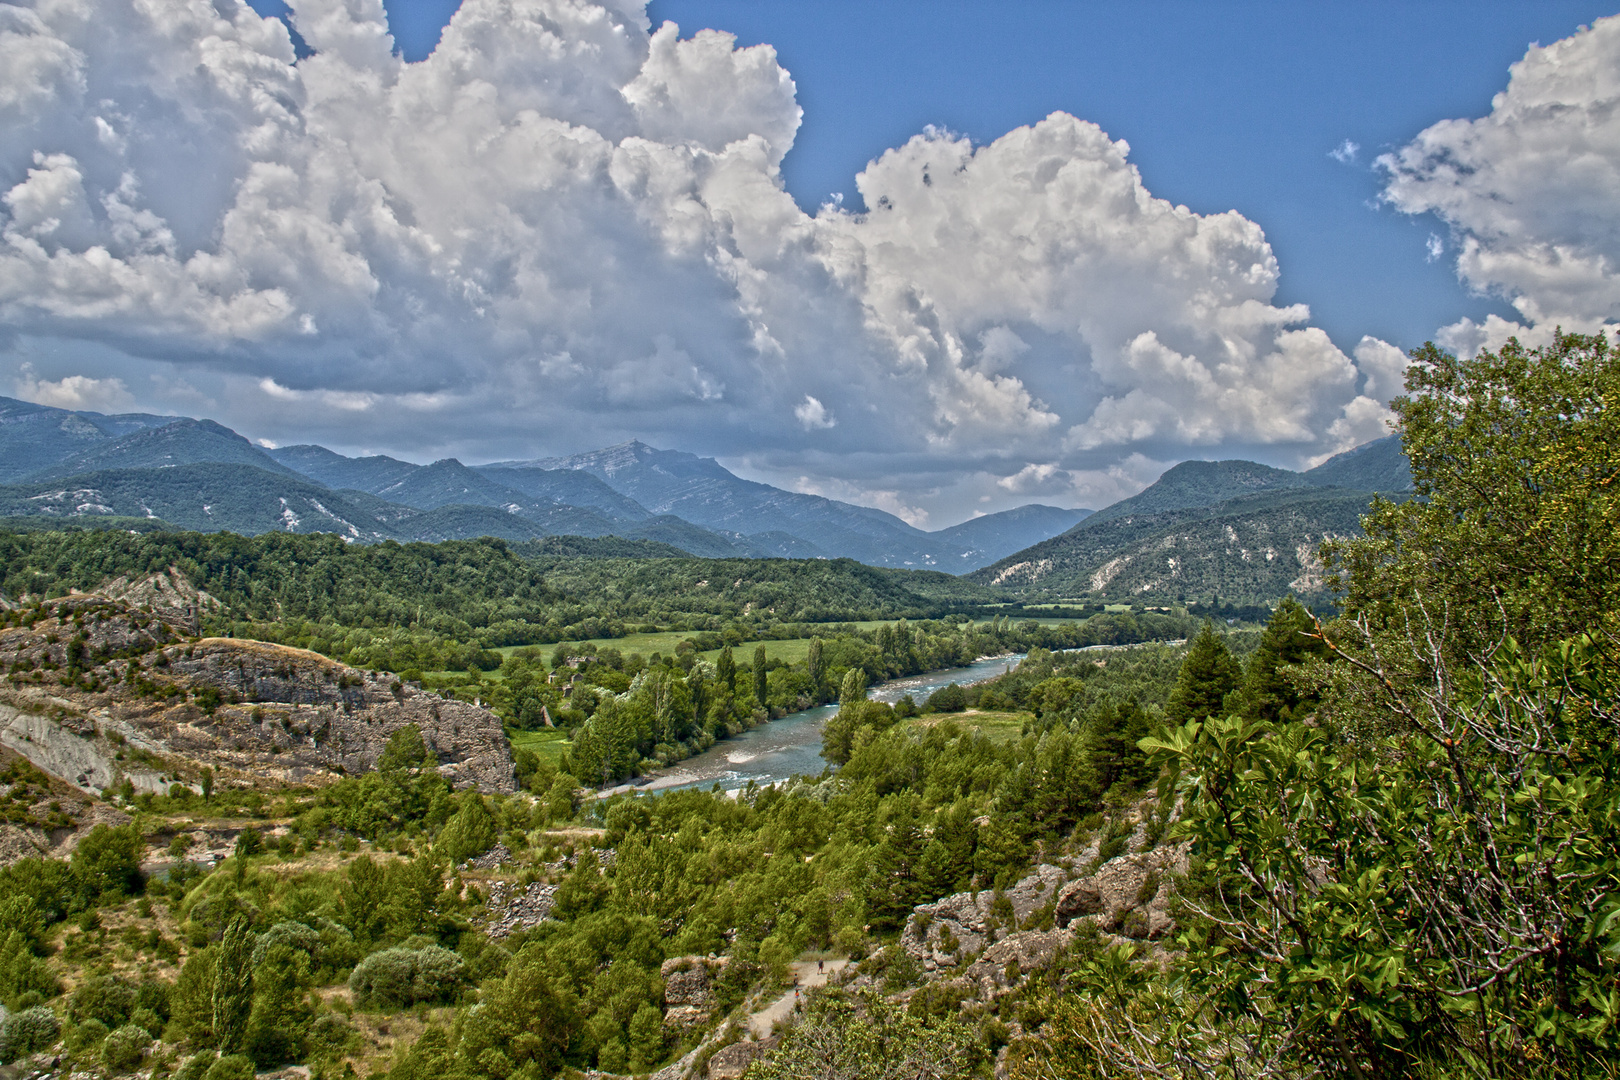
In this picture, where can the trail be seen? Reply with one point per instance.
(780, 1009)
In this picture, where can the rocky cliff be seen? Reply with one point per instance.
(99, 691)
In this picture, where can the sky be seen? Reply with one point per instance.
(940, 258)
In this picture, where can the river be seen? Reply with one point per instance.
(791, 746)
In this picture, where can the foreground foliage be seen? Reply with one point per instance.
(1420, 875)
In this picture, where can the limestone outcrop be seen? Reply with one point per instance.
(965, 924)
(1129, 895)
(98, 692)
(689, 1000)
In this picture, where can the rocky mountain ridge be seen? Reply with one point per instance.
(1234, 530)
(62, 465)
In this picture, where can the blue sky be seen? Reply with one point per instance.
(1102, 238)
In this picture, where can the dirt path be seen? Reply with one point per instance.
(811, 974)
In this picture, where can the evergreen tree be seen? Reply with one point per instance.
(1290, 639)
(233, 986)
(725, 671)
(471, 832)
(1208, 674)
(761, 685)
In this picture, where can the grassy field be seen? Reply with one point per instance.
(998, 726)
(544, 743)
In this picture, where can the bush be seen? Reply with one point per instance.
(108, 861)
(84, 1036)
(331, 1035)
(106, 998)
(230, 1067)
(196, 1066)
(122, 1050)
(950, 698)
(294, 935)
(28, 1032)
(396, 978)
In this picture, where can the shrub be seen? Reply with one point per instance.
(108, 861)
(950, 698)
(122, 1050)
(196, 1066)
(396, 978)
(294, 935)
(84, 1036)
(331, 1035)
(28, 1032)
(106, 998)
(230, 1067)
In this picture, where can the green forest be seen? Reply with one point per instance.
(1397, 827)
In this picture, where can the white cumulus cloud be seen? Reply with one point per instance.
(1530, 190)
(567, 227)
(813, 415)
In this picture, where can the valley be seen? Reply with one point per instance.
(293, 804)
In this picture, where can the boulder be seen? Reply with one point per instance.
(1138, 883)
(730, 1062)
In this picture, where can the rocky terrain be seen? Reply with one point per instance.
(107, 693)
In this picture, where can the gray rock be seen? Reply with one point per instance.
(511, 909)
(1109, 896)
(493, 859)
(688, 991)
(967, 918)
(730, 1062)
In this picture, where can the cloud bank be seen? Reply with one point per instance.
(566, 227)
(1531, 191)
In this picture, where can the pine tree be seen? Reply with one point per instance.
(233, 985)
(1208, 674)
(1268, 693)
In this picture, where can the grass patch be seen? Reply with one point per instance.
(996, 726)
(547, 742)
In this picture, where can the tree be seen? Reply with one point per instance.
(815, 665)
(761, 683)
(233, 986)
(1271, 683)
(1516, 525)
(405, 754)
(854, 687)
(725, 671)
(107, 862)
(528, 1018)
(471, 832)
(1208, 674)
(1421, 878)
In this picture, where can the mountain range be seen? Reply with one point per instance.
(1234, 530)
(196, 474)
(1237, 530)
